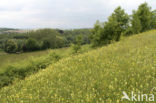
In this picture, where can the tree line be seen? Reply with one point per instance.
(42, 39)
(120, 23)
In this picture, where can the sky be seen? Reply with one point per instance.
(63, 14)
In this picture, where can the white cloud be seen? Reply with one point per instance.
(61, 13)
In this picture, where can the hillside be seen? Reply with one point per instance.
(100, 75)
(11, 30)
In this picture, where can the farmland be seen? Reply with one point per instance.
(99, 75)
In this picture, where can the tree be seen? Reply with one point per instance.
(50, 35)
(136, 24)
(20, 44)
(119, 21)
(46, 44)
(111, 30)
(144, 14)
(31, 45)
(76, 47)
(10, 46)
(96, 32)
(153, 19)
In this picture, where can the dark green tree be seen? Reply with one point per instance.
(31, 45)
(136, 24)
(45, 44)
(153, 19)
(111, 30)
(144, 14)
(119, 21)
(10, 46)
(96, 32)
(50, 35)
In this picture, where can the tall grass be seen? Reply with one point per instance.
(6, 58)
(25, 68)
(32, 63)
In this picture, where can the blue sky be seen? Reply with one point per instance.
(64, 14)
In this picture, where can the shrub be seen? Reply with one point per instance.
(45, 44)
(76, 47)
(26, 68)
(32, 45)
(10, 46)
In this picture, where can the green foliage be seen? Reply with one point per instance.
(77, 47)
(10, 46)
(31, 45)
(46, 38)
(128, 31)
(71, 35)
(120, 23)
(136, 23)
(26, 64)
(144, 14)
(112, 29)
(20, 44)
(46, 35)
(96, 32)
(28, 67)
(46, 44)
(153, 19)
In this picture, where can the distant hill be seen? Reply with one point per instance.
(12, 30)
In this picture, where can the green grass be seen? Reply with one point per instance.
(96, 76)
(6, 58)
(31, 64)
(9, 59)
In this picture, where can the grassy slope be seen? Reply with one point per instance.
(6, 58)
(10, 59)
(99, 75)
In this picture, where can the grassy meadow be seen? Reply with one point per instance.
(16, 67)
(97, 76)
(6, 59)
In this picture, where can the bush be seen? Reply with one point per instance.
(10, 46)
(32, 45)
(45, 44)
(76, 47)
(20, 44)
